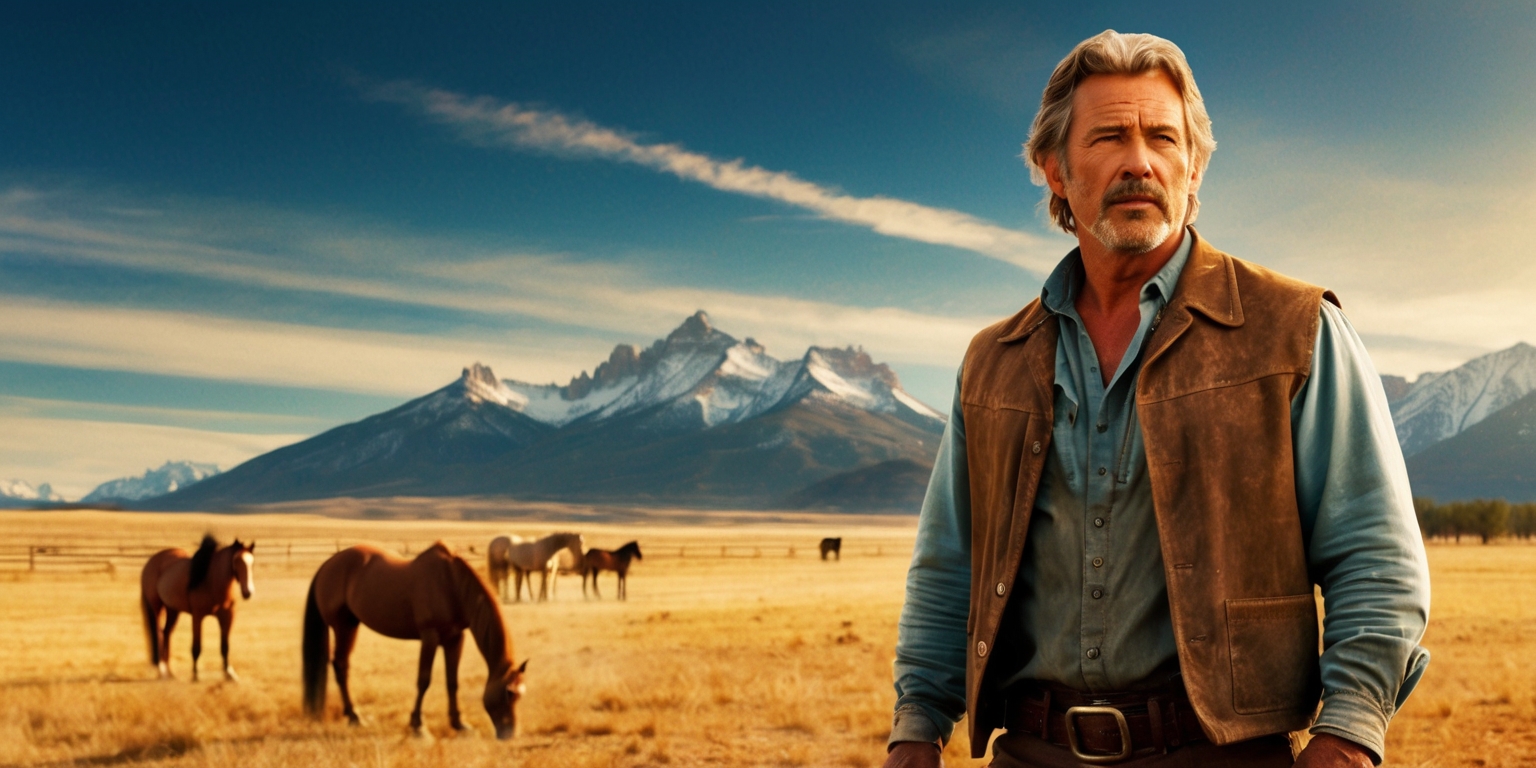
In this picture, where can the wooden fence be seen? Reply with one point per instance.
(127, 558)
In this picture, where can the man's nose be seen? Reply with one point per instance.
(1138, 162)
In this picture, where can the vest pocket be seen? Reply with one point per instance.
(1273, 643)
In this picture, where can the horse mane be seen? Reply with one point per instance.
(201, 560)
(483, 615)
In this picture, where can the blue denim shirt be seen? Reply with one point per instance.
(1092, 572)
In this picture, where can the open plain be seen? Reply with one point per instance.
(738, 646)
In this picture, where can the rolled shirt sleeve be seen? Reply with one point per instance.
(1363, 543)
(930, 646)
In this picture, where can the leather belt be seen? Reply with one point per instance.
(1104, 728)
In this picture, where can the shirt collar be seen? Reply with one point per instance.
(1060, 289)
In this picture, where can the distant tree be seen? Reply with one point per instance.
(1431, 518)
(1490, 518)
(1522, 520)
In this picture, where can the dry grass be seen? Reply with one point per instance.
(770, 660)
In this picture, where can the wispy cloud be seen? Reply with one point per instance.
(1432, 269)
(492, 122)
(204, 346)
(601, 303)
(46, 450)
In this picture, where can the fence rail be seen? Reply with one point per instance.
(129, 557)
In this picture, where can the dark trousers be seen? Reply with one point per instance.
(1026, 750)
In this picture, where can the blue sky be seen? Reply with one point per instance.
(224, 228)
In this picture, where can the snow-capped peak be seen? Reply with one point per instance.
(171, 476)
(481, 385)
(23, 490)
(699, 376)
(1441, 405)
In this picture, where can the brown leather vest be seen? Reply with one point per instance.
(1214, 397)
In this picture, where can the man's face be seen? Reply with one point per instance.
(1128, 175)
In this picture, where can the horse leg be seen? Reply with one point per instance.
(453, 649)
(226, 619)
(197, 642)
(517, 584)
(543, 585)
(623, 587)
(429, 643)
(171, 615)
(341, 657)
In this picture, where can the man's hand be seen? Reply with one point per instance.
(919, 754)
(1329, 751)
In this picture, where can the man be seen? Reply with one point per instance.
(1146, 471)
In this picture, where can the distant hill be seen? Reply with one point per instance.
(1438, 406)
(696, 419)
(171, 476)
(1495, 458)
(895, 486)
(20, 494)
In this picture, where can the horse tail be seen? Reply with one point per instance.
(150, 630)
(317, 651)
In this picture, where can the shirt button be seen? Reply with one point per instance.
(1093, 653)
(1103, 471)
(1035, 448)
(1098, 562)
(1098, 522)
(1098, 593)
(981, 648)
(1001, 589)
(1103, 427)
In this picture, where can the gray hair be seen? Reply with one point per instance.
(1111, 53)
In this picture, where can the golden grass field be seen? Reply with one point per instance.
(753, 658)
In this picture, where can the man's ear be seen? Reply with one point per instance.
(1055, 178)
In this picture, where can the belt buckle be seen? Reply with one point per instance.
(1077, 750)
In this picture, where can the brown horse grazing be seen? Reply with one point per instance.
(603, 560)
(174, 583)
(433, 598)
(832, 546)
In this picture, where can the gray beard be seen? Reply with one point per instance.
(1131, 239)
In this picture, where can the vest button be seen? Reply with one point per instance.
(1098, 593)
(1093, 653)
(1103, 471)
(1098, 522)
(981, 648)
(1103, 427)
(1035, 448)
(1098, 562)
(1001, 589)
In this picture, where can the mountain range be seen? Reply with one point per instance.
(1468, 432)
(170, 477)
(20, 494)
(696, 419)
(703, 419)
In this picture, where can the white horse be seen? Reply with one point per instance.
(566, 563)
(523, 557)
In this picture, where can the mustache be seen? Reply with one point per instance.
(1133, 188)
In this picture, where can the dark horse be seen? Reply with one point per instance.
(833, 546)
(433, 598)
(174, 583)
(603, 560)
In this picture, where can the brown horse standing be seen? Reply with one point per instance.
(832, 546)
(432, 598)
(603, 560)
(174, 583)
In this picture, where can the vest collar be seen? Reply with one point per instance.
(1208, 285)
